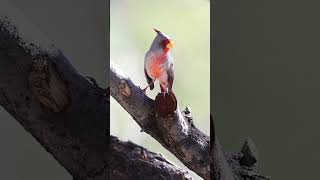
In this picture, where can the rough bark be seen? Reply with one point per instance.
(176, 132)
(67, 114)
(60, 108)
(126, 154)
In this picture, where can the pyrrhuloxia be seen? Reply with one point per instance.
(158, 63)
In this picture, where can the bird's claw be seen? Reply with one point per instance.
(164, 94)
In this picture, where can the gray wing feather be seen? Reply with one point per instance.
(170, 77)
(149, 80)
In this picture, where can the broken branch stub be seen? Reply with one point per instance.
(165, 105)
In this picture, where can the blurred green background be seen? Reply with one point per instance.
(266, 82)
(131, 33)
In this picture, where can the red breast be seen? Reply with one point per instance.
(155, 66)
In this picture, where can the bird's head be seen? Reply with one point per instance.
(161, 41)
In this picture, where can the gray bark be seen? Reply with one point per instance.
(127, 153)
(175, 132)
(60, 108)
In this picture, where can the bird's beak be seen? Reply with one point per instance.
(169, 45)
(156, 30)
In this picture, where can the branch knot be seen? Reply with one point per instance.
(47, 86)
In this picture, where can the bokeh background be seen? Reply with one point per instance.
(131, 33)
(266, 82)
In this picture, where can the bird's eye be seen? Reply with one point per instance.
(164, 43)
(167, 44)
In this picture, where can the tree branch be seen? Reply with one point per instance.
(59, 107)
(143, 163)
(175, 132)
(68, 114)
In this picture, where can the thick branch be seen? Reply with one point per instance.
(176, 132)
(143, 163)
(60, 108)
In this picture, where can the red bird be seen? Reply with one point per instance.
(158, 63)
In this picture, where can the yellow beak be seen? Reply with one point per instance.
(169, 45)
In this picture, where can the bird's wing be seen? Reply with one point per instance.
(149, 80)
(170, 77)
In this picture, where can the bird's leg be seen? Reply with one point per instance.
(145, 89)
(163, 91)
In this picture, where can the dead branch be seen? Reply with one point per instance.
(175, 132)
(127, 153)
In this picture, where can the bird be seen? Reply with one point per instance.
(158, 63)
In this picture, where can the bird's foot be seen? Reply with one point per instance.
(164, 94)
